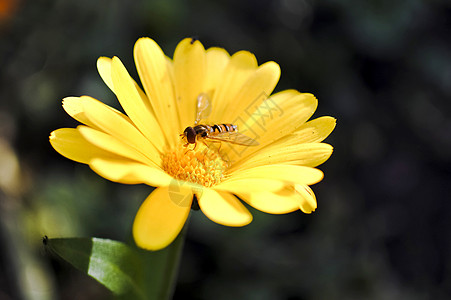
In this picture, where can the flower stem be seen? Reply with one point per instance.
(173, 264)
(161, 269)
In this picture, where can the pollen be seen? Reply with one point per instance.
(202, 165)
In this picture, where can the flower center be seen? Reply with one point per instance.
(202, 165)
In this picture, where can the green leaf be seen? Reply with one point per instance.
(129, 273)
(114, 264)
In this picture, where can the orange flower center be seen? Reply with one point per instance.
(202, 165)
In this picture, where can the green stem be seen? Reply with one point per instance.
(173, 264)
(161, 269)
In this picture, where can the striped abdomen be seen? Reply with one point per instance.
(218, 128)
(205, 131)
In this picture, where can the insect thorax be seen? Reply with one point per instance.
(202, 130)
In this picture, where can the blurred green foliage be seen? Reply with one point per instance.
(382, 68)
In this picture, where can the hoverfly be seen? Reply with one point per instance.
(215, 133)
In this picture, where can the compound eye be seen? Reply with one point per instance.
(190, 134)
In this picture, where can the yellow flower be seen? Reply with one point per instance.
(144, 145)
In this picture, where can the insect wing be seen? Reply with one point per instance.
(234, 137)
(203, 108)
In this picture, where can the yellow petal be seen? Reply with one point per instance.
(315, 130)
(73, 106)
(71, 144)
(280, 114)
(286, 173)
(241, 65)
(273, 119)
(170, 67)
(157, 82)
(159, 220)
(282, 202)
(118, 125)
(137, 108)
(129, 172)
(308, 202)
(216, 62)
(189, 75)
(249, 185)
(254, 91)
(310, 155)
(113, 145)
(223, 208)
(177, 190)
(104, 69)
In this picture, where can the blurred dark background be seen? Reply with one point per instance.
(382, 229)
